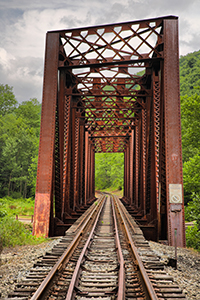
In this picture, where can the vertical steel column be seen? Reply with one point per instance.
(131, 168)
(156, 142)
(143, 162)
(82, 163)
(128, 171)
(73, 161)
(174, 181)
(44, 185)
(136, 167)
(86, 166)
(76, 164)
(140, 158)
(125, 173)
(59, 147)
(93, 173)
(162, 207)
(67, 155)
(90, 171)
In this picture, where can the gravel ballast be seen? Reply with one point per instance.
(187, 274)
(16, 262)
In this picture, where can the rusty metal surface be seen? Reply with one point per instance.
(103, 106)
(175, 207)
(44, 185)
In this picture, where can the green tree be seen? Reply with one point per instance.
(190, 116)
(189, 73)
(7, 99)
(191, 175)
(109, 168)
(19, 134)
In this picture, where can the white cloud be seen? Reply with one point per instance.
(22, 40)
(5, 59)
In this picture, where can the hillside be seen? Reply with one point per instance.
(190, 74)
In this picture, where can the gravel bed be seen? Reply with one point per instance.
(15, 263)
(187, 274)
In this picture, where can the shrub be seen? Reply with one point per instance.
(193, 237)
(14, 233)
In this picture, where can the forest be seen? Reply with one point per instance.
(19, 141)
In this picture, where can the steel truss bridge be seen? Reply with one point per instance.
(93, 102)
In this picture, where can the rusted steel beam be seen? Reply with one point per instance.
(144, 161)
(136, 150)
(101, 106)
(174, 178)
(143, 24)
(131, 141)
(66, 160)
(44, 185)
(82, 164)
(76, 164)
(86, 166)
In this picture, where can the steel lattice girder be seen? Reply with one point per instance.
(94, 102)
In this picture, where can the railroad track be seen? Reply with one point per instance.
(103, 256)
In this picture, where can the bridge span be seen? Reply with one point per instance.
(112, 88)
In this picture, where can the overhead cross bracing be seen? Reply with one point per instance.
(112, 88)
(103, 62)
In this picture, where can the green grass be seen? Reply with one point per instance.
(13, 207)
(12, 231)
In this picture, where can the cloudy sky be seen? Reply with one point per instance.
(24, 23)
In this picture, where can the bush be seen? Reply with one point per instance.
(14, 207)
(193, 237)
(192, 209)
(14, 233)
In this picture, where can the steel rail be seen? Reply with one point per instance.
(121, 280)
(61, 260)
(145, 277)
(78, 264)
(83, 220)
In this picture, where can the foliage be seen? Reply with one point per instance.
(190, 116)
(19, 140)
(109, 170)
(192, 210)
(7, 99)
(14, 233)
(189, 74)
(193, 237)
(191, 175)
(13, 207)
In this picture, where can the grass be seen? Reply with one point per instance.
(12, 231)
(13, 207)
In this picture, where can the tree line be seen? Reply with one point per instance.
(19, 141)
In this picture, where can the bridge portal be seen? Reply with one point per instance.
(112, 88)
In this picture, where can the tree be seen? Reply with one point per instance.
(19, 135)
(191, 175)
(7, 99)
(189, 74)
(109, 168)
(190, 116)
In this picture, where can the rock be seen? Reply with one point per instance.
(187, 274)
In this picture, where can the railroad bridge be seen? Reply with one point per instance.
(112, 88)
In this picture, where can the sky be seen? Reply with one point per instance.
(24, 23)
